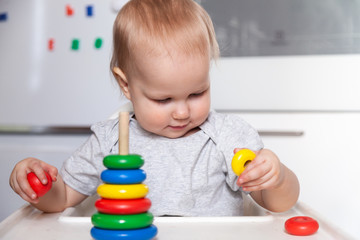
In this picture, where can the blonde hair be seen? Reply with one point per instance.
(156, 25)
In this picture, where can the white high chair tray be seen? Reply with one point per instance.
(74, 223)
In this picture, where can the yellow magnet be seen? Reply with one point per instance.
(241, 159)
(122, 191)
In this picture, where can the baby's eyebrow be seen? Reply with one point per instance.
(156, 96)
(203, 89)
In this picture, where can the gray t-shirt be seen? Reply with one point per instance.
(188, 176)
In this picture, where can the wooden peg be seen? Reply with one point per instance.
(123, 133)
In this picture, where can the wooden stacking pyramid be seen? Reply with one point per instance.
(123, 206)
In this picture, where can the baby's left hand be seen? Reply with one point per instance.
(264, 172)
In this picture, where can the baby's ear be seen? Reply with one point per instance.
(122, 81)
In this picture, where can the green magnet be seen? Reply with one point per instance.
(98, 43)
(75, 45)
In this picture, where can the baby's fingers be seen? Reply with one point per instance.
(261, 183)
(22, 187)
(40, 168)
(254, 170)
(253, 178)
(29, 196)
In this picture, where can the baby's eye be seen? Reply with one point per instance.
(165, 100)
(196, 94)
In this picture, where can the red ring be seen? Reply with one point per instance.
(122, 206)
(301, 226)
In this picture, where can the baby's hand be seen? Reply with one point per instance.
(18, 178)
(264, 172)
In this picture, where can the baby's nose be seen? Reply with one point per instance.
(181, 111)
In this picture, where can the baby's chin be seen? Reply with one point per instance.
(174, 135)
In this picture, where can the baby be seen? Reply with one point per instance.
(162, 55)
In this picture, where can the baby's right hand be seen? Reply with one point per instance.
(18, 178)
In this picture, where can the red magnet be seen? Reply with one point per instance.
(117, 206)
(51, 43)
(37, 186)
(69, 10)
(301, 226)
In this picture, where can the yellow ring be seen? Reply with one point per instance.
(122, 191)
(240, 159)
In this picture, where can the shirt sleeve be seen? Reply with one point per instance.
(82, 170)
(236, 133)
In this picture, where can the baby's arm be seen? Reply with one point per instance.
(59, 197)
(272, 185)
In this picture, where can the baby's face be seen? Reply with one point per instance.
(170, 95)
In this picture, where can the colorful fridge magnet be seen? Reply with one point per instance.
(98, 43)
(51, 44)
(75, 44)
(69, 11)
(89, 10)
(3, 17)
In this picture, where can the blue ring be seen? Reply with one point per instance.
(130, 176)
(136, 234)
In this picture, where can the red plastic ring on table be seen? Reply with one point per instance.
(301, 226)
(118, 206)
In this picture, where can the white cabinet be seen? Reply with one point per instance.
(326, 159)
(13, 148)
(293, 83)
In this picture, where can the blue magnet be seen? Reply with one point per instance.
(89, 10)
(3, 17)
(130, 176)
(135, 234)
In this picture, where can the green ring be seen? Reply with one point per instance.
(132, 161)
(122, 222)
